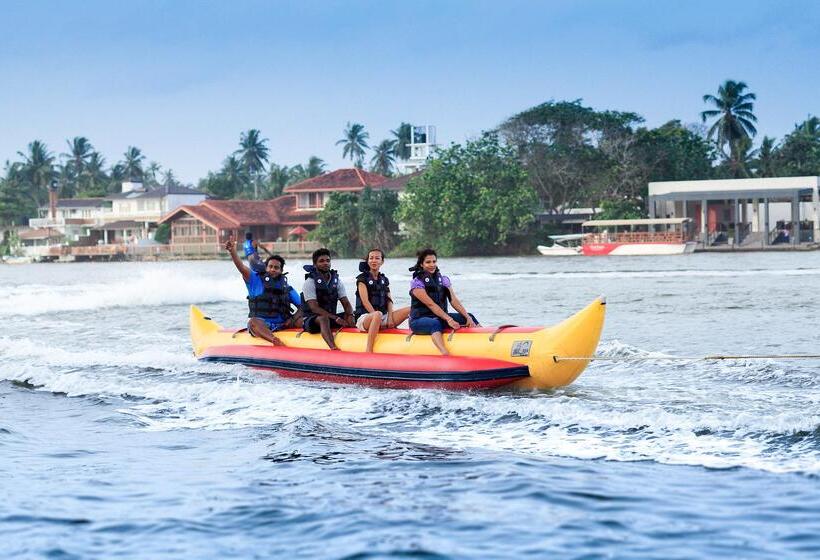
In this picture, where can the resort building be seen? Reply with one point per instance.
(282, 222)
(771, 212)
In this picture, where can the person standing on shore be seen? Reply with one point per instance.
(269, 297)
(374, 306)
(321, 295)
(429, 292)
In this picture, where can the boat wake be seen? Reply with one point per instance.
(717, 415)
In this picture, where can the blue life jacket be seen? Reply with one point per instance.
(327, 291)
(433, 285)
(273, 301)
(378, 291)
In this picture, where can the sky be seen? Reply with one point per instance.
(182, 79)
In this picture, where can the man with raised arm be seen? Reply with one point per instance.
(269, 297)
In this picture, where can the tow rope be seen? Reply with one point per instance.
(557, 359)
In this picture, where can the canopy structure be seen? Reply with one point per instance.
(642, 222)
(746, 212)
(298, 231)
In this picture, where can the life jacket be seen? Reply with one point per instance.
(377, 292)
(327, 292)
(433, 285)
(274, 299)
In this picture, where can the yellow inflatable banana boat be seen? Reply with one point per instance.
(481, 358)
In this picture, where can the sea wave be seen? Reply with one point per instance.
(148, 288)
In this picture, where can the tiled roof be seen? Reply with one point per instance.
(158, 192)
(399, 183)
(339, 180)
(245, 212)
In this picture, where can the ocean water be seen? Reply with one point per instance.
(115, 442)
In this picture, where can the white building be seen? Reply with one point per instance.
(743, 212)
(422, 145)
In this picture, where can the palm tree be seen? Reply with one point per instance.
(253, 152)
(79, 150)
(766, 162)
(132, 166)
(742, 158)
(235, 174)
(733, 110)
(38, 170)
(151, 172)
(315, 166)
(354, 143)
(383, 158)
(94, 175)
(168, 179)
(403, 136)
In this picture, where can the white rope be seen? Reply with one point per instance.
(685, 358)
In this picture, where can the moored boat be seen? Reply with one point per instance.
(480, 358)
(563, 246)
(655, 236)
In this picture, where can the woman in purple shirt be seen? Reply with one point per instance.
(430, 291)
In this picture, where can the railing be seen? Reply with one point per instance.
(285, 247)
(46, 222)
(635, 237)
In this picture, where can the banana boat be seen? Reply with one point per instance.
(480, 358)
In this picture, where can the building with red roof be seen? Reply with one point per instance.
(292, 215)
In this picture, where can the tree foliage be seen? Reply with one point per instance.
(470, 200)
(350, 224)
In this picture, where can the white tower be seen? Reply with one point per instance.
(422, 145)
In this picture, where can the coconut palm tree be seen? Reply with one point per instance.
(151, 172)
(315, 166)
(354, 143)
(132, 165)
(253, 152)
(169, 179)
(38, 170)
(733, 112)
(235, 175)
(403, 136)
(79, 150)
(94, 177)
(383, 158)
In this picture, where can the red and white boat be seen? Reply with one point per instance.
(654, 236)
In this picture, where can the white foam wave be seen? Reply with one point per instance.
(148, 288)
(564, 274)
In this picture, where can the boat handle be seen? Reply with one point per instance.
(498, 330)
(450, 338)
(409, 336)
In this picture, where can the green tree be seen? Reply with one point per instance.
(37, 171)
(339, 224)
(163, 233)
(471, 199)
(79, 152)
(765, 164)
(354, 143)
(17, 204)
(383, 158)
(377, 220)
(673, 152)
(734, 117)
(563, 148)
(132, 164)
(94, 180)
(151, 174)
(799, 154)
(315, 166)
(403, 136)
(253, 152)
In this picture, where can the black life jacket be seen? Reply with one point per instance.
(327, 292)
(377, 293)
(435, 289)
(274, 299)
